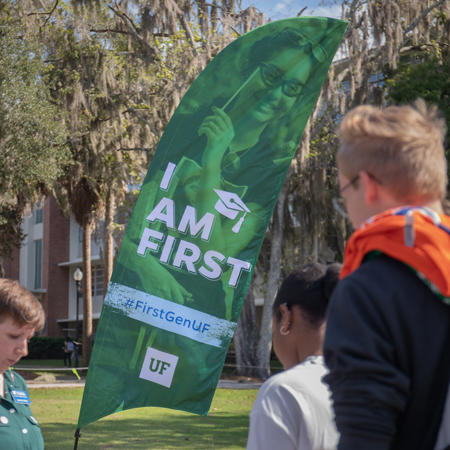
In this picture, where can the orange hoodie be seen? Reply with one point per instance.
(417, 236)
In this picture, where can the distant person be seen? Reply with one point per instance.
(68, 349)
(387, 343)
(21, 315)
(293, 409)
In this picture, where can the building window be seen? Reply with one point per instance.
(39, 214)
(38, 264)
(97, 281)
(95, 250)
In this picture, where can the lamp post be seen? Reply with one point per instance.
(77, 276)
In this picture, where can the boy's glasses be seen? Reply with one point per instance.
(339, 203)
(271, 77)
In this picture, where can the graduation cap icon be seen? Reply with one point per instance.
(230, 205)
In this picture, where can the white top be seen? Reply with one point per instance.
(293, 411)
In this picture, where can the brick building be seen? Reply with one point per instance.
(45, 265)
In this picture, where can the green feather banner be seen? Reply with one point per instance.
(192, 242)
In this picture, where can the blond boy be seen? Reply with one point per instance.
(388, 335)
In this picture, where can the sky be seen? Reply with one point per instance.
(281, 9)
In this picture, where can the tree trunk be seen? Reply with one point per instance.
(246, 335)
(108, 238)
(87, 291)
(265, 335)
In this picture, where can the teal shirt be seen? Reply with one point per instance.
(19, 430)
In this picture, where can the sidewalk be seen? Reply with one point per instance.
(223, 384)
(71, 381)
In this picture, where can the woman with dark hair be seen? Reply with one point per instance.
(293, 408)
(68, 349)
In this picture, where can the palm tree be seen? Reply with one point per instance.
(78, 193)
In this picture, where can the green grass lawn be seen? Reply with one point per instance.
(225, 427)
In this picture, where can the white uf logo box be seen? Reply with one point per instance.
(159, 367)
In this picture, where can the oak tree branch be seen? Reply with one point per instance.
(132, 29)
(190, 37)
(424, 14)
(51, 12)
(136, 55)
(135, 113)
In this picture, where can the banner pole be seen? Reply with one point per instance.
(77, 435)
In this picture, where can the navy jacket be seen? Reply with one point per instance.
(387, 346)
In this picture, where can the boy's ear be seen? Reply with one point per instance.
(370, 187)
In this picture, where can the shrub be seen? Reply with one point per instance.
(45, 348)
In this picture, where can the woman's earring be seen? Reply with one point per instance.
(285, 332)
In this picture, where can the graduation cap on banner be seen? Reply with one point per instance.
(230, 205)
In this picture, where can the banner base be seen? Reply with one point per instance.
(77, 435)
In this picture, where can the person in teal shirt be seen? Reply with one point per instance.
(21, 315)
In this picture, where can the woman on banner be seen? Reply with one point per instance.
(21, 315)
(293, 409)
(249, 141)
(241, 149)
(252, 138)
